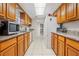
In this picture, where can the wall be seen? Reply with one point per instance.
(49, 26)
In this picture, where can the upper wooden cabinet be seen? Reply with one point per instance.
(8, 11)
(67, 12)
(28, 20)
(63, 13)
(22, 17)
(71, 11)
(11, 11)
(2, 10)
(25, 19)
(58, 16)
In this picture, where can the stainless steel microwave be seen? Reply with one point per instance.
(8, 28)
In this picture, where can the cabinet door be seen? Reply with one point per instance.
(26, 20)
(71, 11)
(55, 43)
(2, 10)
(60, 48)
(58, 16)
(61, 45)
(10, 51)
(78, 10)
(20, 48)
(63, 13)
(28, 40)
(26, 46)
(70, 51)
(11, 11)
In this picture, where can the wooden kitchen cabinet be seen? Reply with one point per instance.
(11, 11)
(72, 47)
(20, 45)
(70, 51)
(61, 46)
(58, 16)
(29, 21)
(77, 11)
(71, 11)
(26, 42)
(28, 39)
(24, 18)
(8, 48)
(63, 13)
(10, 51)
(64, 46)
(2, 10)
(54, 43)
(67, 12)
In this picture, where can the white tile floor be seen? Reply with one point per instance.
(38, 48)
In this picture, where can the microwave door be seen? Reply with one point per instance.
(12, 28)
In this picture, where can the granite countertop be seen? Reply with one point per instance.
(76, 38)
(3, 38)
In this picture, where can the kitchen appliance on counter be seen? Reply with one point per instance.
(7, 28)
(62, 29)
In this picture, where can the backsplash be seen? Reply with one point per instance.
(72, 28)
(72, 25)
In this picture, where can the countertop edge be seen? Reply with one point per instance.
(76, 38)
(5, 38)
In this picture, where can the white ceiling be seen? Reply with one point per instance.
(30, 9)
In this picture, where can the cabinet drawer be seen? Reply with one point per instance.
(61, 38)
(72, 43)
(5, 44)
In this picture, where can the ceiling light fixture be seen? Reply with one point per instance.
(39, 7)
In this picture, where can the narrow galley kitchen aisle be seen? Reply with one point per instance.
(41, 35)
(38, 46)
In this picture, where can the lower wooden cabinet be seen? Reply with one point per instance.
(72, 47)
(15, 46)
(54, 42)
(61, 46)
(28, 39)
(26, 43)
(10, 51)
(64, 46)
(20, 46)
(70, 51)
